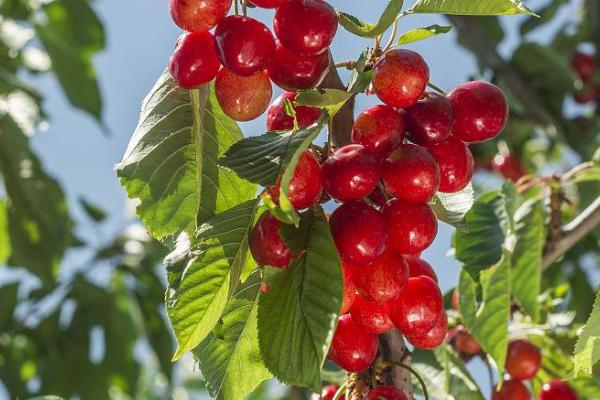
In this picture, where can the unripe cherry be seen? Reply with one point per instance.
(456, 164)
(352, 348)
(370, 316)
(386, 393)
(194, 61)
(509, 166)
(198, 15)
(278, 120)
(267, 3)
(512, 390)
(359, 231)
(434, 338)
(384, 279)
(411, 173)
(419, 267)
(430, 120)
(350, 173)
(293, 72)
(380, 129)
(266, 244)
(349, 287)
(557, 390)
(584, 65)
(400, 77)
(412, 226)
(523, 360)
(243, 98)
(244, 45)
(480, 111)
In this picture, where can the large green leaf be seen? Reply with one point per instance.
(231, 362)
(587, 350)
(471, 7)
(364, 29)
(453, 207)
(171, 161)
(297, 317)
(197, 299)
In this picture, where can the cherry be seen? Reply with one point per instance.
(359, 231)
(370, 316)
(352, 348)
(400, 77)
(411, 173)
(430, 120)
(584, 64)
(586, 94)
(383, 279)
(434, 338)
(243, 98)
(466, 343)
(349, 287)
(266, 245)
(305, 186)
(350, 173)
(278, 120)
(329, 392)
(419, 267)
(523, 360)
(456, 164)
(198, 15)
(244, 45)
(509, 166)
(305, 27)
(386, 393)
(557, 390)
(293, 72)
(512, 390)
(418, 308)
(456, 300)
(413, 226)
(380, 129)
(194, 61)
(267, 3)
(480, 111)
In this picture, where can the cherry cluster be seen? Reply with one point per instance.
(584, 65)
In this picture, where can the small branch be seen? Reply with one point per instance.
(393, 349)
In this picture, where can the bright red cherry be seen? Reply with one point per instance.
(370, 316)
(266, 245)
(434, 338)
(523, 360)
(557, 390)
(267, 3)
(278, 120)
(293, 72)
(329, 392)
(244, 45)
(352, 348)
(466, 343)
(359, 231)
(400, 77)
(418, 308)
(243, 98)
(198, 15)
(413, 226)
(380, 129)
(194, 61)
(430, 120)
(383, 279)
(480, 111)
(349, 287)
(411, 173)
(305, 27)
(419, 267)
(584, 64)
(305, 186)
(512, 390)
(350, 173)
(509, 166)
(456, 164)
(386, 393)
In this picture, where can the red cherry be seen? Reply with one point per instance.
(194, 61)
(370, 316)
(352, 348)
(466, 343)
(293, 72)
(510, 167)
(350, 173)
(512, 390)
(305, 27)
(557, 390)
(266, 245)
(434, 338)
(523, 360)
(349, 288)
(430, 120)
(305, 186)
(383, 279)
(359, 231)
(243, 98)
(329, 392)
(586, 94)
(198, 15)
(456, 164)
(411, 173)
(419, 267)
(480, 111)
(267, 3)
(386, 393)
(400, 78)
(379, 129)
(413, 226)
(278, 120)
(244, 45)
(584, 65)
(418, 308)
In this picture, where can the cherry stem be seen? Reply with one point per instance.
(413, 372)
(346, 64)
(236, 7)
(341, 391)
(437, 88)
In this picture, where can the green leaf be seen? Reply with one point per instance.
(415, 35)
(196, 299)
(364, 29)
(331, 100)
(297, 317)
(171, 161)
(231, 364)
(94, 211)
(587, 349)
(4, 233)
(488, 320)
(471, 7)
(453, 207)
(9, 299)
(527, 256)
